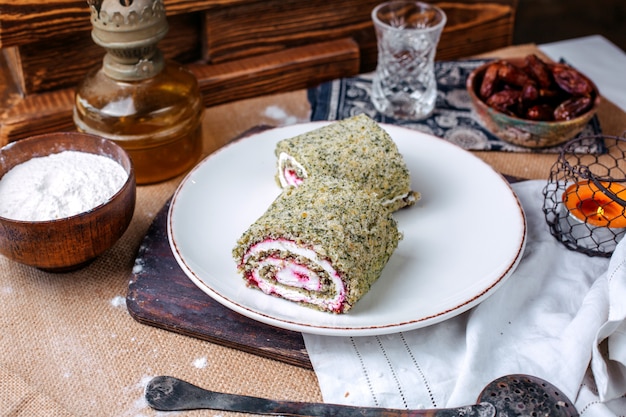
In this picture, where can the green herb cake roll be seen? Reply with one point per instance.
(355, 149)
(322, 244)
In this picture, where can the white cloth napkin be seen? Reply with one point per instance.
(560, 317)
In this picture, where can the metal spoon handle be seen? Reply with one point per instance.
(166, 393)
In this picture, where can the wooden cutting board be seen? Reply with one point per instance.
(161, 295)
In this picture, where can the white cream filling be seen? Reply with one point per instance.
(396, 198)
(290, 274)
(293, 274)
(286, 174)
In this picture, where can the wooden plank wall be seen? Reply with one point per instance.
(27, 21)
(236, 48)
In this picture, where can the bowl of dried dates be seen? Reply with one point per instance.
(532, 102)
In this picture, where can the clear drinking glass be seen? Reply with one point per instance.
(404, 84)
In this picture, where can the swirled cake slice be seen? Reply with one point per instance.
(322, 244)
(356, 149)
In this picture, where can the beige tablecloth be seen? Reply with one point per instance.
(70, 348)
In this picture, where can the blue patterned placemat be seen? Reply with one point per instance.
(452, 119)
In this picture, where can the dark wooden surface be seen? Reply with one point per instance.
(258, 28)
(255, 28)
(237, 49)
(38, 62)
(237, 31)
(288, 70)
(541, 21)
(28, 21)
(161, 295)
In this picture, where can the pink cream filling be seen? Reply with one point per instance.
(291, 177)
(289, 278)
(288, 169)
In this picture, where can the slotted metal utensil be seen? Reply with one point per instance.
(507, 396)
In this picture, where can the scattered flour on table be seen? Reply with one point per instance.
(200, 363)
(139, 405)
(118, 301)
(138, 266)
(59, 185)
(277, 113)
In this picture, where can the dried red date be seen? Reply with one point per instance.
(504, 101)
(488, 84)
(530, 94)
(548, 94)
(512, 75)
(539, 70)
(572, 107)
(570, 80)
(537, 90)
(542, 112)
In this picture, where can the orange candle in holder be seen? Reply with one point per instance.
(590, 204)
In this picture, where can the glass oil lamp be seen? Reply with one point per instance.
(150, 106)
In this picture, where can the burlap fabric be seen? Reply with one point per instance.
(70, 348)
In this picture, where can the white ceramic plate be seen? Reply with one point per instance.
(462, 240)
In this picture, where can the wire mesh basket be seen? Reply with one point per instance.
(585, 197)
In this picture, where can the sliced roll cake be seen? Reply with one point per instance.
(322, 244)
(356, 149)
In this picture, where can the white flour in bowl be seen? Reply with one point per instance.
(59, 185)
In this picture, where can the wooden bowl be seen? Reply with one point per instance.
(68, 243)
(525, 132)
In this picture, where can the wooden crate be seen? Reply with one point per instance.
(237, 48)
